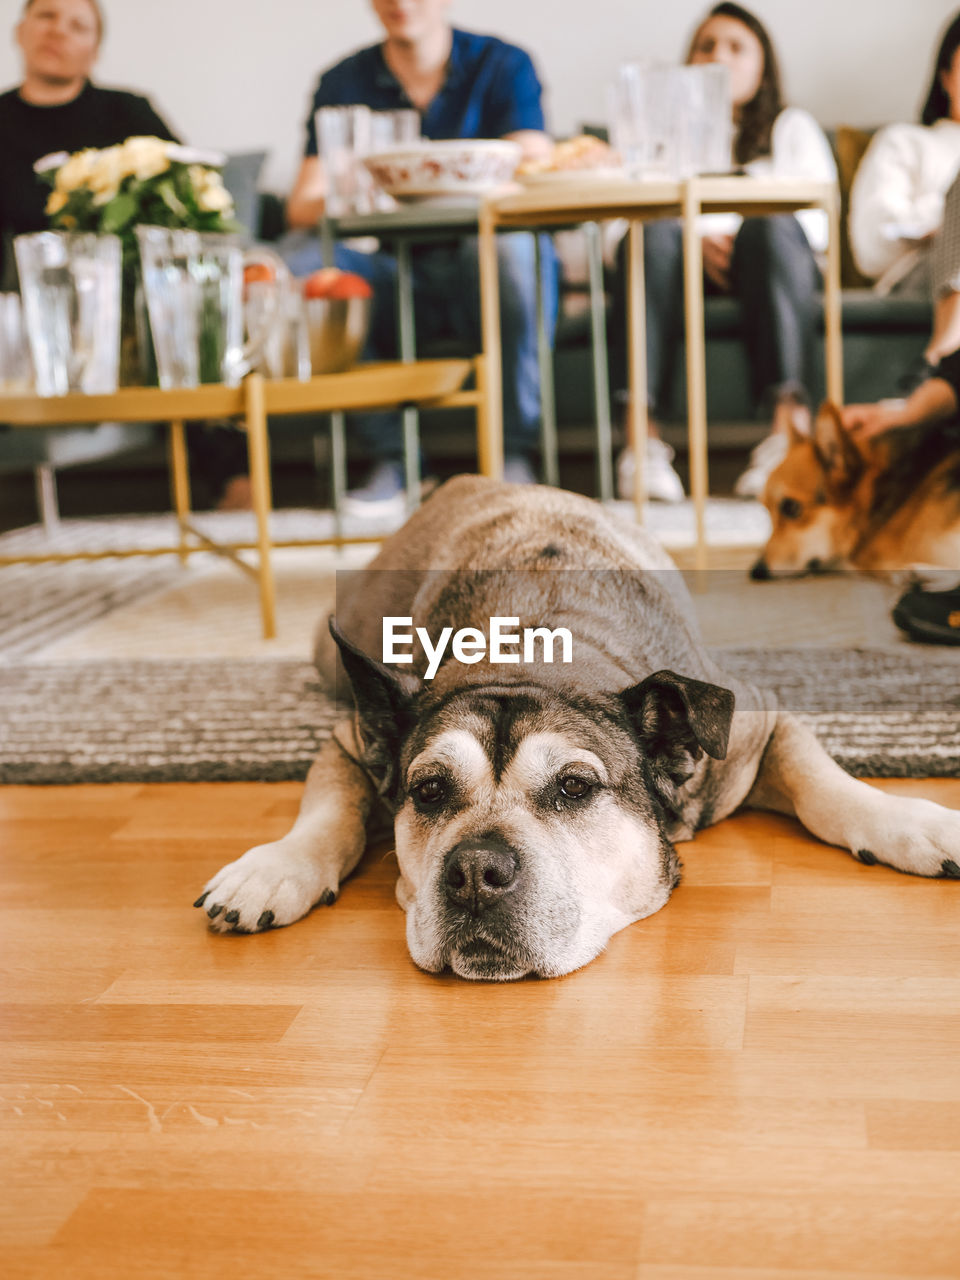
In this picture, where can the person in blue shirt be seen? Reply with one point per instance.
(464, 85)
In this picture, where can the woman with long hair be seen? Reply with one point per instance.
(896, 203)
(905, 203)
(768, 263)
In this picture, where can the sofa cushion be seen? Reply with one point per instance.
(849, 146)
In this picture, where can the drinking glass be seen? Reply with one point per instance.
(644, 125)
(343, 136)
(705, 113)
(70, 283)
(193, 283)
(286, 351)
(16, 371)
(672, 122)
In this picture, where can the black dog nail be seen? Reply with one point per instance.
(949, 870)
(202, 899)
(327, 898)
(266, 920)
(232, 917)
(215, 910)
(866, 857)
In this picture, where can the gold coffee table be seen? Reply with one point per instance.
(428, 383)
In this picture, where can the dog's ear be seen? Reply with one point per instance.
(384, 701)
(798, 424)
(676, 720)
(838, 455)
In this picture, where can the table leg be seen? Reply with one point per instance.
(548, 408)
(696, 364)
(338, 468)
(833, 332)
(485, 445)
(490, 443)
(408, 353)
(258, 448)
(326, 242)
(637, 415)
(179, 484)
(601, 382)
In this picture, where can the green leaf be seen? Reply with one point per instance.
(118, 213)
(166, 192)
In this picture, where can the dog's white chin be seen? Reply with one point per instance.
(484, 968)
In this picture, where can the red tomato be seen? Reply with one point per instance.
(259, 273)
(350, 286)
(320, 283)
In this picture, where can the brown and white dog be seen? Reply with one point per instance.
(891, 503)
(535, 805)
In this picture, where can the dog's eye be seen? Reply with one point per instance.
(574, 788)
(791, 509)
(430, 792)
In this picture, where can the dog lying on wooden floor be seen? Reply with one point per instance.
(883, 505)
(535, 802)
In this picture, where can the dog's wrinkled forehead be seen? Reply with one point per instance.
(483, 734)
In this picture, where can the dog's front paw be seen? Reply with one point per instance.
(270, 886)
(917, 836)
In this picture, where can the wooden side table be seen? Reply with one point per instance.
(563, 204)
(433, 383)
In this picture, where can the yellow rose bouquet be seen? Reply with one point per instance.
(142, 181)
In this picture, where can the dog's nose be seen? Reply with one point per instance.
(476, 876)
(760, 571)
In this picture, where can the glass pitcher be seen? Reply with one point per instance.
(193, 282)
(70, 283)
(16, 371)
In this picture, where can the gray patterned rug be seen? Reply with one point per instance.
(880, 713)
(42, 603)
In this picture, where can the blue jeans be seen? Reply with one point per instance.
(446, 293)
(773, 273)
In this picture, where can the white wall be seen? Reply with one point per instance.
(225, 80)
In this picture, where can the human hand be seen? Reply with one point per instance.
(717, 253)
(864, 421)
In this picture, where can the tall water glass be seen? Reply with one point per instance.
(643, 120)
(193, 283)
(16, 371)
(705, 114)
(70, 284)
(343, 136)
(672, 122)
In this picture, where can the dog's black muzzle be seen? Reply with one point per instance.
(480, 873)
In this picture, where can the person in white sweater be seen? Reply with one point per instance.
(768, 263)
(904, 228)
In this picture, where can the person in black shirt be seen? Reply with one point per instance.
(930, 616)
(56, 108)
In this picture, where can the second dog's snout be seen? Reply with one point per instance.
(476, 875)
(760, 571)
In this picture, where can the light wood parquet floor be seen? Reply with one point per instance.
(761, 1082)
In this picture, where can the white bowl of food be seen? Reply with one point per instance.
(462, 169)
(583, 158)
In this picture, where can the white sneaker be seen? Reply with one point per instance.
(381, 495)
(766, 457)
(661, 481)
(517, 470)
